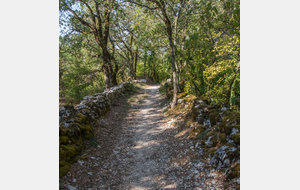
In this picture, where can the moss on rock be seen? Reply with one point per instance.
(64, 169)
(228, 129)
(64, 140)
(234, 172)
(181, 95)
(236, 138)
(189, 98)
(211, 133)
(214, 116)
(196, 131)
(230, 117)
(212, 151)
(67, 152)
(222, 138)
(81, 118)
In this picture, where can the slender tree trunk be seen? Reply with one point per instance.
(154, 73)
(169, 30)
(209, 94)
(196, 87)
(145, 69)
(131, 69)
(136, 58)
(145, 62)
(230, 86)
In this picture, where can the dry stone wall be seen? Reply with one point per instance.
(217, 132)
(77, 122)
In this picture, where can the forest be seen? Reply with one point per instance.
(195, 43)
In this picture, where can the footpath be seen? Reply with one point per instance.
(135, 147)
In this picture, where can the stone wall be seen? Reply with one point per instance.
(77, 123)
(216, 134)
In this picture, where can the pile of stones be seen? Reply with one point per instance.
(216, 132)
(77, 123)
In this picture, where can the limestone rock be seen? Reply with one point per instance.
(77, 123)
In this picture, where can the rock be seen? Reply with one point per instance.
(219, 155)
(195, 171)
(62, 109)
(77, 123)
(200, 164)
(209, 143)
(180, 101)
(140, 81)
(71, 187)
(207, 123)
(197, 145)
(80, 162)
(201, 102)
(87, 97)
(223, 109)
(234, 131)
(90, 173)
(226, 163)
(144, 80)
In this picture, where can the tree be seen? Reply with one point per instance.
(94, 17)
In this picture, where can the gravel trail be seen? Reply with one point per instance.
(142, 151)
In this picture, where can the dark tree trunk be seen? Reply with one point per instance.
(114, 75)
(106, 76)
(107, 69)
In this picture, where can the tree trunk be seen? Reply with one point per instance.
(114, 75)
(145, 62)
(209, 94)
(106, 76)
(230, 85)
(154, 73)
(107, 69)
(169, 31)
(136, 58)
(131, 69)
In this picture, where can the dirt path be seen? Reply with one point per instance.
(141, 151)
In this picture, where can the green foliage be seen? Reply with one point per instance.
(206, 36)
(78, 70)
